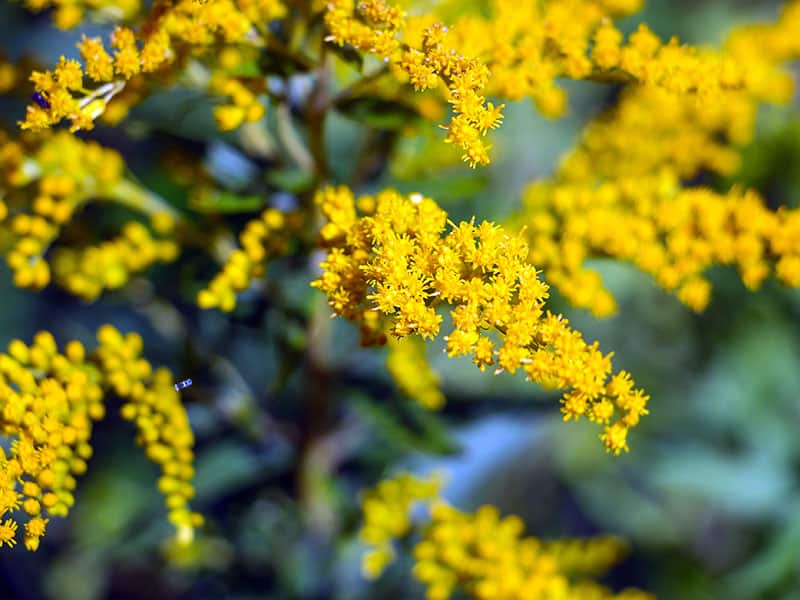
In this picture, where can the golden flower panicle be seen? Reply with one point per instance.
(487, 557)
(762, 51)
(48, 400)
(689, 135)
(376, 27)
(674, 234)
(527, 47)
(262, 238)
(412, 373)
(183, 28)
(61, 174)
(386, 510)
(626, 173)
(154, 405)
(87, 272)
(401, 262)
(242, 106)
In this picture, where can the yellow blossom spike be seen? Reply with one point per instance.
(261, 239)
(480, 553)
(402, 262)
(49, 400)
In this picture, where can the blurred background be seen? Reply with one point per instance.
(708, 496)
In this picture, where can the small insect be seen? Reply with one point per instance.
(40, 100)
(182, 385)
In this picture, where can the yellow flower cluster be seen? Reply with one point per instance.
(577, 39)
(87, 272)
(625, 176)
(515, 51)
(762, 49)
(48, 400)
(69, 13)
(61, 174)
(153, 404)
(487, 557)
(686, 137)
(231, 21)
(373, 26)
(262, 238)
(170, 30)
(243, 104)
(10, 74)
(527, 46)
(61, 93)
(400, 263)
(482, 554)
(586, 556)
(672, 233)
(386, 510)
(412, 373)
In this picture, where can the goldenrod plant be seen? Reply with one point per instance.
(318, 187)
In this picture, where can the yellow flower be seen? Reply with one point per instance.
(411, 372)
(99, 64)
(481, 553)
(400, 262)
(48, 401)
(261, 239)
(386, 509)
(8, 532)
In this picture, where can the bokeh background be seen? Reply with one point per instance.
(708, 497)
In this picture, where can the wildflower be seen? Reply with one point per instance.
(401, 262)
(481, 553)
(8, 532)
(261, 238)
(411, 372)
(49, 401)
(386, 510)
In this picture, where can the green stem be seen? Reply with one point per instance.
(291, 141)
(138, 198)
(316, 111)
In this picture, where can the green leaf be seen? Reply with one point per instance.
(406, 425)
(219, 201)
(226, 468)
(376, 112)
(294, 181)
(246, 69)
(445, 189)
